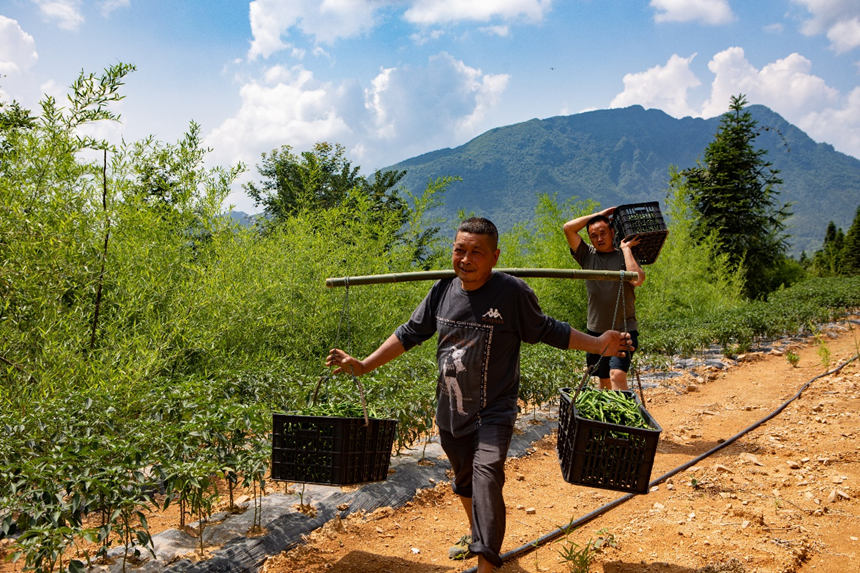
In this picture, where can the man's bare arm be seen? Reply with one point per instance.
(574, 226)
(630, 262)
(610, 343)
(343, 362)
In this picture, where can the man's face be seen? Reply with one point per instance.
(473, 258)
(601, 236)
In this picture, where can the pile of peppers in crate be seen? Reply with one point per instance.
(610, 406)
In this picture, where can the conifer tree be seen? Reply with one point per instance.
(733, 193)
(850, 260)
(827, 260)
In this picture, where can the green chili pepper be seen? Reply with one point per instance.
(611, 407)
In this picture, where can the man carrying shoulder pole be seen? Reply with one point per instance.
(481, 318)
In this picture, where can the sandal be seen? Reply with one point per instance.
(460, 550)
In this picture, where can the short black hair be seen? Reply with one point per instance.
(480, 226)
(598, 219)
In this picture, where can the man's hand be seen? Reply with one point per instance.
(630, 261)
(607, 212)
(631, 242)
(344, 363)
(614, 343)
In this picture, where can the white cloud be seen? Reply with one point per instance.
(65, 13)
(775, 28)
(325, 21)
(662, 87)
(448, 95)
(109, 6)
(17, 48)
(287, 106)
(429, 12)
(713, 12)
(380, 124)
(426, 35)
(501, 31)
(845, 36)
(839, 20)
(53, 89)
(839, 126)
(788, 87)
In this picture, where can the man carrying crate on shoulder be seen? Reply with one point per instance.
(602, 254)
(481, 318)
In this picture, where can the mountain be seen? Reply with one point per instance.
(242, 218)
(618, 156)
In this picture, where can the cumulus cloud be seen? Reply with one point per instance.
(786, 85)
(17, 48)
(285, 106)
(65, 13)
(839, 20)
(712, 12)
(109, 6)
(380, 123)
(663, 87)
(324, 21)
(844, 36)
(429, 12)
(839, 126)
(448, 95)
(501, 31)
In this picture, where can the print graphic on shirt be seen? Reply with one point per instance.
(493, 313)
(454, 366)
(463, 353)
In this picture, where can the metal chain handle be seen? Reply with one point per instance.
(619, 300)
(344, 317)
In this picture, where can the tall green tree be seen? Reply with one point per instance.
(318, 179)
(323, 178)
(733, 194)
(850, 260)
(827, 261)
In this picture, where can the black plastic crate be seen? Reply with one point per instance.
(645, 221)
(602, 455)
(330, 450)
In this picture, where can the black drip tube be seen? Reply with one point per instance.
(574, 523)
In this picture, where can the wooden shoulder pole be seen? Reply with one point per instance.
(437, 275)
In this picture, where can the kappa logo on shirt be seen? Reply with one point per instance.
(493, 315)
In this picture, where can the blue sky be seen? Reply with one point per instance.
(391, 79)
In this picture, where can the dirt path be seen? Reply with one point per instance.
(782, 498)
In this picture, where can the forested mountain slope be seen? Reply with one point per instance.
(623, 156)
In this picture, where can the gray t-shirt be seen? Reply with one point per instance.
(603, 295)
(478, 350)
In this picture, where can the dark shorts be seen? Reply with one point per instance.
(607, 363)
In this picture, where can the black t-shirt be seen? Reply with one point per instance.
(478, 350)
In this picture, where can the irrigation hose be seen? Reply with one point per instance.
(574, 523)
